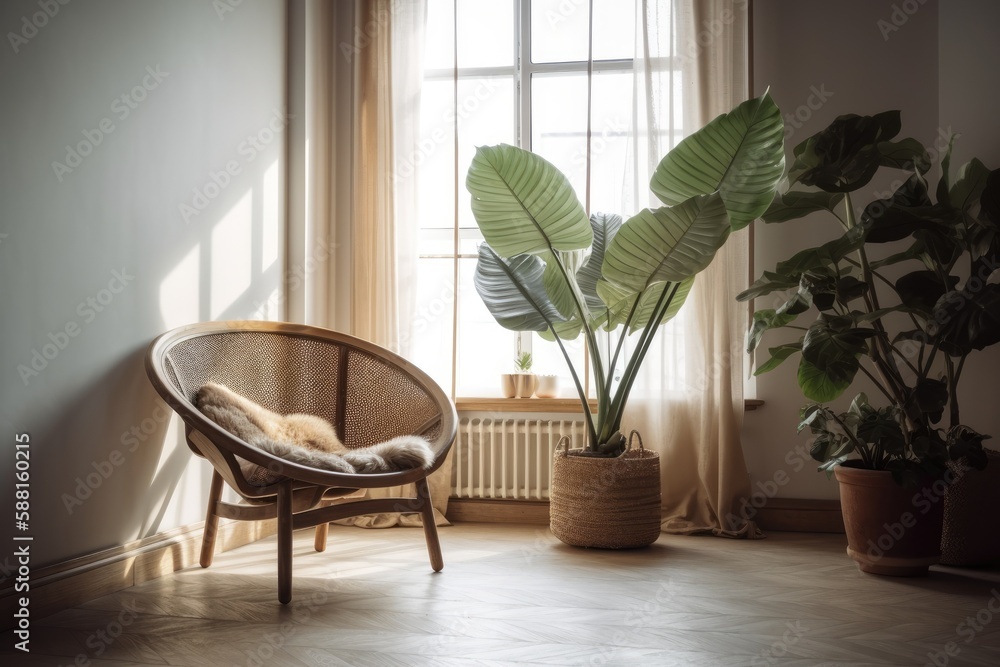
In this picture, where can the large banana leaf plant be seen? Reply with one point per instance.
(902, 296)
(546, 267)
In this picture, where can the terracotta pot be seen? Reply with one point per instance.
(891, 529)
(609, 503)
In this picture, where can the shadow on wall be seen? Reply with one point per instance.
(144, 191)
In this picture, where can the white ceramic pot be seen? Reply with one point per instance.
(548, 386)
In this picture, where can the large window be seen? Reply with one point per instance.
(511, 71)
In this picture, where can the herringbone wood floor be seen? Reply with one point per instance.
(515, 595)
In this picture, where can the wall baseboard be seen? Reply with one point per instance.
(76, 581)
(530, 512)
(779, 514)
(800, 515)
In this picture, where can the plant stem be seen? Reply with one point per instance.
(592, 347)
(632, 367)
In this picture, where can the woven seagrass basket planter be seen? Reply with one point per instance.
(608, 503)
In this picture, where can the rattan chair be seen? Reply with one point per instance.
(368, 393)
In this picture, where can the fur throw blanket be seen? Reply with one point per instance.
(304, 439)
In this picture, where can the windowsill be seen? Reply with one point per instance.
(558, 405)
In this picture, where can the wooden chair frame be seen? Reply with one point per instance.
(301, 497)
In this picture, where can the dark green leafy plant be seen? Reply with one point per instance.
(907, 320)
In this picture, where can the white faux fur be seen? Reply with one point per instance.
(306, 439)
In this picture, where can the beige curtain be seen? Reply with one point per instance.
(387, 76)
(688, 398)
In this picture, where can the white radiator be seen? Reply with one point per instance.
(508, 458)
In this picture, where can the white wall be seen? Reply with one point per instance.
(935, 64)
(66, 234)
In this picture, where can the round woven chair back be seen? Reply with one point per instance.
(368, 396)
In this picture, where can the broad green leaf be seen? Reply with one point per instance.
(740, 154)
(524, 204)
(831, 347)
(763, 320)
(513, 291)
(767, 283)
(568, 330)
(817, 385)
(920, 290)
(649, 298)
(844, 156)
(908, 154)
(798, 204)
(913, 252)
(900, 214)
(556, 286)
(620, 301)
(825, 255)
(668, 244)
(778, 355)
(969, 185)
(968, 320)
(605, 227)
(990, 199)
(942, 186)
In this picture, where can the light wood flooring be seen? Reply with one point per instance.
(514, 595)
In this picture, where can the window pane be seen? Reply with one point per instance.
(485, 349)
(548, 360)
(485, 116)
(614, 29)
(431, 329)
(486, 33)
(559, 124)
(434, 158)
(611, 176)
(439, 50)
(559, 30)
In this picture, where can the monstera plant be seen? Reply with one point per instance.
(546, 267)
(906, 316)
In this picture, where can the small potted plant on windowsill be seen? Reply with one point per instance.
(905, 317)
(546, 267)
(523, 382)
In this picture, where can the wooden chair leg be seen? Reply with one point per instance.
(285, 543)
(430, 528)
(321, 533)
(211, 521)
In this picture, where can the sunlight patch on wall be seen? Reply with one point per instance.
(232, 238)
(179, 295)
(271, 218)
(177, 482)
